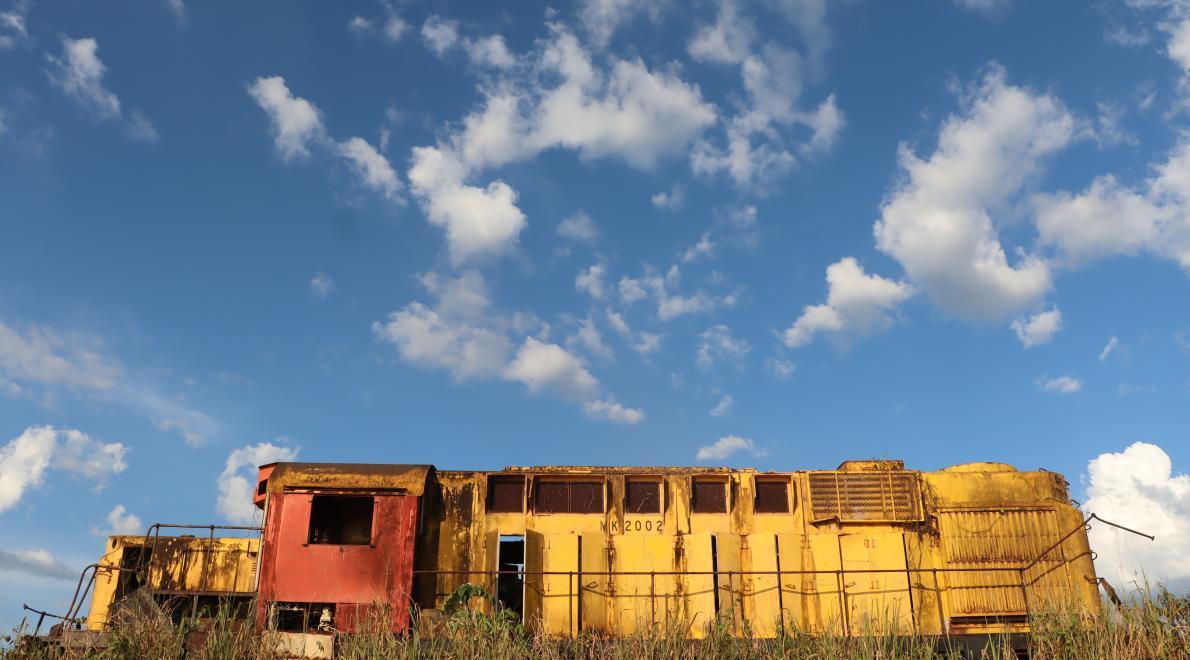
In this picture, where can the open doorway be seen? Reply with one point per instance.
(510, 587)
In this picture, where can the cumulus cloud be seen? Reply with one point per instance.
(938, 223)
(121, 522)
(39, 563)
(642, 342)
(727, 446)
(1110, 219)
(1107, 349)
(723, 407)
(478, 222)
(457, 336)
(781, 369)
(613, 412)
(590, 281)
(670, 200)
(857, 304)
(578, 227)
(321, 285)
(373, 169)
(671, 303)
(601, 18)
(297, 123)
(13, 30)
(703, 248)
(79, 72)
(1138, 488)
(44, 356)
(716, 345)
(1039, 328)
(1059, 385)
(26, 459)
(442, 36)
(238, 480)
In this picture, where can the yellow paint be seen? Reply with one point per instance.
(911, 526)
(179, 565)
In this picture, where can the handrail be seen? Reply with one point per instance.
(1085, 525)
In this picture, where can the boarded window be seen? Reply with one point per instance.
(772, 496)
(709, 496)
(341, 520)
(642, 496)
(569, 497)
(506, 494)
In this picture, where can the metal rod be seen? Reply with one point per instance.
(1083, 525)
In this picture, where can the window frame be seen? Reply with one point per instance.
(595, 481)
(639, 479)
(785, 481)
(314, 499)
(489, 497)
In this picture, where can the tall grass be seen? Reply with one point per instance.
(1149, 626)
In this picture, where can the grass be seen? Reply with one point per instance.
(1149, 626)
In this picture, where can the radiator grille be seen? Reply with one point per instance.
(883, 496)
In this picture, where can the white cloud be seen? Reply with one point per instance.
(717, 345)
(1107, 350)
(781, 369)
(725, 447)
(424, 337)
(440, 34)
(1138, 488)
(360, 25)
(857, 304)
(321, 285)
(613, 412)
(543, 366)
(178, 7)
(670, 304)
(13, 30)
(1109, 219)
(590, 339)
(578, 227)
(727, 41)
(703, 248)
(478, 221)
(641, 342)
(985, 6)
(297, 123)
(373, 169)
(723, 407)
(37, 562)
(79, 72)
(671, 200)
(602, 18)
(1039, 328)
(938, 223)
(631, 290)
(43, 356)
(1060, 385)
(237, 482)
(121, 522)
(394, 27)
(466, 296)
(590, 281)
(25, 460)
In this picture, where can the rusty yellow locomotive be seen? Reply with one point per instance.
(867, 548)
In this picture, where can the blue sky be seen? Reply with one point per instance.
(780, 234)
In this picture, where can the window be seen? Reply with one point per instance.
(772, 496)
(341, 520)
(506, 494)
(709, 496)
(641, 496)
(569, 497)
(262, 486)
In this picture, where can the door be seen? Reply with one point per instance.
(876, 583)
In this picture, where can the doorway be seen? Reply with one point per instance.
(510, 587)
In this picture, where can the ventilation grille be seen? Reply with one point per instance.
(865, 496)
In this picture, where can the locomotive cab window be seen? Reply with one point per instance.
(708, 495)
(568, 497)
(642, 496)
(772, 495)
(341, 520)
(506, 495)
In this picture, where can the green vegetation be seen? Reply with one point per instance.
(1150, 626)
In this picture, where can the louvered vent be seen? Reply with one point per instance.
(882, 496)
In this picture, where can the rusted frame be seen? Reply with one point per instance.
(41, 615)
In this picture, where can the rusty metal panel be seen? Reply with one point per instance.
(596, 587)
(699, 583)
(297, 571)
(763, 588)
(873, 496)
(995, 539)
(568, 497)
(411, 479)
(772, 495)
(709, 496)
(506, 494)
(642, 496)
(643, 598)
